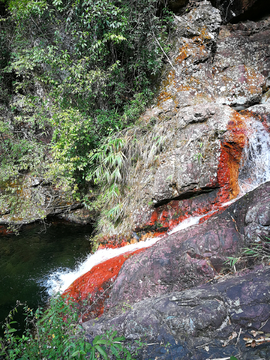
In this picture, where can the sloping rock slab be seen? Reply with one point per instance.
(193, 256)
(197, 323)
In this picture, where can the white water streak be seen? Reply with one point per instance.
(255, 170)
(193, 220)
(60, 280)
(255, 166)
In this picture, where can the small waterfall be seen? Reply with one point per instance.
(60, 280)
(254, 170)
(255, 166)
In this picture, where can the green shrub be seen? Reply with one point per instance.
(256, 253)
(91, 63)
(55, 333)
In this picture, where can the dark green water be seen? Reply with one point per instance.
(27, 260)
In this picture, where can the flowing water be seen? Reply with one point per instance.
(38, 263)
(28, 260)
(61, 280)
(254, 170)
(255, 167)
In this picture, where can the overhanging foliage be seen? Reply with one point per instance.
(82, 71)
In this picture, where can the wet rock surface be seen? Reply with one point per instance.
(172, 296)
(193, 256)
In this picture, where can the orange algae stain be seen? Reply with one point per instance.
(164, 96)
(168, 216)
(185, 88)
(183, 54)
(113, 245)
(96, 283)
(230, 157)
(253, 79)
(204, 33)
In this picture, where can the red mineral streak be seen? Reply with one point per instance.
(231, 149)
(5, 231)
(230, 158)
(95, 284)
(170, 215)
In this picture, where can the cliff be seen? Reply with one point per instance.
(208, 129)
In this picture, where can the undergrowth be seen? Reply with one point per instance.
(255, 253)
(75, 75)
(118, 163)
(56, 333)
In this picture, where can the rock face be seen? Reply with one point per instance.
(36, 199)
(214, 62)
(164, 300)
(211, 132)
(207, 322)
(201, 122)
(198, 136)
(195, 255)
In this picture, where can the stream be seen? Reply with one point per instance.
(44, 259)
(28, 260)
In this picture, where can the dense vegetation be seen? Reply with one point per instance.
(73, 75)
(56, 333)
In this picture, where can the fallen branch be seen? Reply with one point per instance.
(165, 54)
(239, 336)
(256, 342)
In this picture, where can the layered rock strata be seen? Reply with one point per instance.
(174, 291)
(213, 98)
